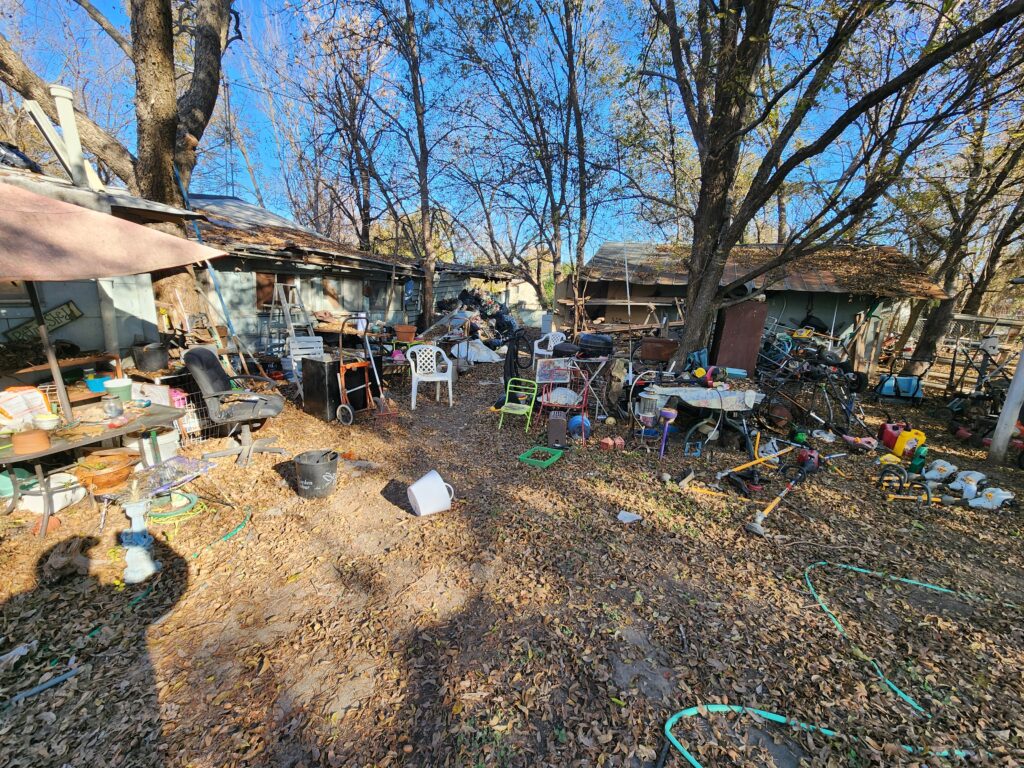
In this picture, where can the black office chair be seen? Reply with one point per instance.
(239, 407)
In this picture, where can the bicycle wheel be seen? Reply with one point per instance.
(780, 409)
(818, 411)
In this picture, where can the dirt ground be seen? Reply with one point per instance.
(525, 627)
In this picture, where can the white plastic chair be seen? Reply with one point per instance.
(430, 363)
(545, 345)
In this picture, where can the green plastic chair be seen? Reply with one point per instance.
(520, 395)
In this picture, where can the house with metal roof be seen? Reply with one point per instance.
(640, 283)
(266, 249)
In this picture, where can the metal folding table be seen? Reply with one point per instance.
(153, 417)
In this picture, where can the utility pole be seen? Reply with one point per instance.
(1011, 407)
(1008, 416)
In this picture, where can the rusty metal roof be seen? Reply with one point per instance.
(250, 230)
(871, 270)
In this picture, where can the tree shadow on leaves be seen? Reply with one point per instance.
(108, 712)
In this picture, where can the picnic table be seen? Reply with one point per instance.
(152, 417)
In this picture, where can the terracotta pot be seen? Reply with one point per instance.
(405, 332)
(52, 525)
(30, 441)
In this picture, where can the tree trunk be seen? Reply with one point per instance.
(916, 308)
(581, 141)
(156, 107)
(422, 162)
(976, 296)
(701, 306)
(934, 329)
(365, 214)
(780, 207)
(195, 107)
(708, 254)
(538, 285)
(556, 247)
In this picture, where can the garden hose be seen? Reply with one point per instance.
(842, 631)
(715, 709)
(802, 726)
(229, 535)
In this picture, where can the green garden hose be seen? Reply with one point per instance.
(802, 726)
(842, 631)
(714, 709)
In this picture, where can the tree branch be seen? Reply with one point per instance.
(104, 145)
(105, 24)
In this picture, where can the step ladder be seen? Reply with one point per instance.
(288, 316)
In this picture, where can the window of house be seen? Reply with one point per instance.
(13, 292)
(265, 287)
(377, 292)
(331, 292)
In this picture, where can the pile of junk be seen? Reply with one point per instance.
(474, 314)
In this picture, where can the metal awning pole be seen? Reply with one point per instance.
(51, 355)
(629, 313)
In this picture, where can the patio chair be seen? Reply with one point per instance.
(241, 408)
(568, 394)
(545, 345)
(520, 397)
(429, 363)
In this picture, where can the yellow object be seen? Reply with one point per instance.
(908, 441)
(755, 462)
(905, 497)
(803, 333)
(888, 459)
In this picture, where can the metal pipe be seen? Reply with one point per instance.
(62, 97)
(51, 356)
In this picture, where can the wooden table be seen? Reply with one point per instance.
(77, 362)
(152, 417)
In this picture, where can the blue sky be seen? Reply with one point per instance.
(102, 70)
(101, 60)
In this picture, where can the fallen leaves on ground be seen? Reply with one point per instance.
(526, 626)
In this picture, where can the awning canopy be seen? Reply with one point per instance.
(46, 239)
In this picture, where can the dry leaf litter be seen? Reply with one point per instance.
(525, 627)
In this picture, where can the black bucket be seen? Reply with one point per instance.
(315, 473)
(150, 357)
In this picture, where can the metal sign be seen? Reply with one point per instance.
(54, 318)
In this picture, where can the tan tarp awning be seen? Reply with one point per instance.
(46, 239)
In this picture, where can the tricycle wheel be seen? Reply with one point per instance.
(345, 414)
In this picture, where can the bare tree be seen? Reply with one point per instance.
(170, 116)
(535, 67)
(854, 75)
(967, 212)
(493, 225)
